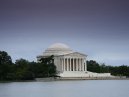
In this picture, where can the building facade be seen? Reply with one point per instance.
(68, 62)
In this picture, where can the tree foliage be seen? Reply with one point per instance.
(48, 66)
(5, 58)
(25, 70)
(122, 70)
(5, 65)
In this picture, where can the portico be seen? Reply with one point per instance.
(73, 64)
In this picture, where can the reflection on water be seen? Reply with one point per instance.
(82, 88)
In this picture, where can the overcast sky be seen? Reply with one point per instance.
(98, 28)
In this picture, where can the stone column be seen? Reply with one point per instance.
(85, 65)
(64, 64)
(76, 64)
(70, 64)
(67, 65)
(83, 69)
(82, 65)
(79, 64)
(73, 64)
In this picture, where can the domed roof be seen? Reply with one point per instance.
(57, 49)
(59, 45)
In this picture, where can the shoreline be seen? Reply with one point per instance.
(61, 79)
(76, 78)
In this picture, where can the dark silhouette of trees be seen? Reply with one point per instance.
(93, 66)
(102, 68)
(5, 65)
(25, 70)
(48, 67)
(122, 70)
(5, 58)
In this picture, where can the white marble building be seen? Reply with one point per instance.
(68, 62)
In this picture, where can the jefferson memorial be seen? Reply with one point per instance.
(69, 64)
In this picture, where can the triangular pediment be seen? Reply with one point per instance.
(75, 54)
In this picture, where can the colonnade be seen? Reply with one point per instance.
(73, 64)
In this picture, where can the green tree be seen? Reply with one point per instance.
(93, 66)
(5, 64)
(48, 67)
(5, 58)
(22, 71)
(122, 70)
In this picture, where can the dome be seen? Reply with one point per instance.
(59, 45)
(57, 49)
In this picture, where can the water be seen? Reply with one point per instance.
(82, 88)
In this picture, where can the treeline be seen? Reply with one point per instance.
(25, 70)
(102, 68)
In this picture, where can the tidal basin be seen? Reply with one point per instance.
(80, 88)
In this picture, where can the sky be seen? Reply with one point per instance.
(97, 28)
